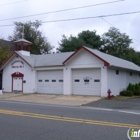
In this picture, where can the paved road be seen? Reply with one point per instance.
(131, 104)
(20, 121)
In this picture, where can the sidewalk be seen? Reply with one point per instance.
(71, 100)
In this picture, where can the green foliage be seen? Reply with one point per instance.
(32, 34)
(112, 42)
(115, 42)
(85, 38)
(137, 93)
(118, 44)
(126, 93)
(5, 52)
(131, 87)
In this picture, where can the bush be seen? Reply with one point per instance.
(131, 87)
(137, 93)
(126, 93)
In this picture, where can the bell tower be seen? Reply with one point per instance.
(23, 46)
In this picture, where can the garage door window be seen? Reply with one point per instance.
(53, 80)
(60, 80)
(86, 81)
(96, 80)
(77, 80)
(46, 80)
(39, 80)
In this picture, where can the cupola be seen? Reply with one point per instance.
(23, 46)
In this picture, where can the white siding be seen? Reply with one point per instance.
(50, 82)
(117, 83)
(29, 77)
(84, 58)
(132, 79)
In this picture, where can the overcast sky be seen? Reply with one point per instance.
(129, 24)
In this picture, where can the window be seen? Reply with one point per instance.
(76, 80)
(117, 72)
(130, 73)
(39, 80)
(86, 80)
(139, 75)
(53, 80)
(60, 80)
(46, 80)
(96, 80)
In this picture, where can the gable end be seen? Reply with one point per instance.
(105, 62)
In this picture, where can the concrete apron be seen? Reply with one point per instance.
(72, 100)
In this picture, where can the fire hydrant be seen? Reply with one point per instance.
(109, 93)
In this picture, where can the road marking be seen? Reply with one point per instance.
(129, 112)
(67, 119)
(73, 107)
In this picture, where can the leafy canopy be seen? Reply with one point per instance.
(85, 38)
(115, 42)
(32, 34)
(5, 52)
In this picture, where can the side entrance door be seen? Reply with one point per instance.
(17, 84)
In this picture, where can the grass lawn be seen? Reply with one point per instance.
(118, 97)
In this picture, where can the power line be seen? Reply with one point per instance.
(83, 18)
(107, 22)
(87, 6)
(115, 27)
(12, 3)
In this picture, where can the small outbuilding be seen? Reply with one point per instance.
(83, 72)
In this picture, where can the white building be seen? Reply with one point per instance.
(84, 72)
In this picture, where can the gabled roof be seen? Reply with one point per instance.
(60, 59)
(94, 54)
(108, 60)
(46, 59)
(115, 61)
(10, 57)
(23, 40)
(41, 60)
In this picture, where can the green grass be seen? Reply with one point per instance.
(118, 97)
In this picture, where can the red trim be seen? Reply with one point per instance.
(10, 58)
(17, 74)
(105, 62)
(29, 48)
(22, 46)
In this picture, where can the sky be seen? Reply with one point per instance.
(129, 24)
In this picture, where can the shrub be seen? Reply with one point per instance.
(137, 87)
(131, 87)
(137, 92)
(126, 93)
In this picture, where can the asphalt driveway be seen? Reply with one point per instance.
(71, 100)
(116, 104)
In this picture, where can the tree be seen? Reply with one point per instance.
(85, 38)
(32, 34)
(115, 42)
(5, 51)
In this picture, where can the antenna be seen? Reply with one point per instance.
(23, 32)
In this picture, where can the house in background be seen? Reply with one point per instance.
(83, 72)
